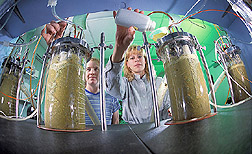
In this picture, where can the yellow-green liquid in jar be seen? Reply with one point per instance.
(8, 87)
(238, 73)
(65, 94)
(187, 88)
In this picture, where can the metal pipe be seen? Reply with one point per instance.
(102, 83)
(207, 72)
(152, 82)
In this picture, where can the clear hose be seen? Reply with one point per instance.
(34, 113)
(59, 18)
(5, 43)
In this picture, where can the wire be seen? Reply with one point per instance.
(161, 12)
(190, 9)
(23, 108)
(30, 77)
(218, 33)
(209, 10)
(204, 26)
(21, 99)
(227, 95)
(31, 70)
(233, 105)
(34, 113)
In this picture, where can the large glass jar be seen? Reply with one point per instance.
(186, 83)
(8, 86)
(237, 71)
(65, 85)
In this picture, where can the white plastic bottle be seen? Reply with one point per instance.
(140, 22)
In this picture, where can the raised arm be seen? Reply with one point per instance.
(53, 31)
(124, 37)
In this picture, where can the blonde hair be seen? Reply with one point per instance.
(134, 49)
(95, 60)
(98, 63)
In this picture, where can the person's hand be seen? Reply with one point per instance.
(124, 37)
(53, 31)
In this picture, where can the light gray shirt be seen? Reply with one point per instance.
(136, 96)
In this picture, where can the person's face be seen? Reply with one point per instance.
(92, 73)
(136, 63)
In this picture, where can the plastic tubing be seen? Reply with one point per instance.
(192, 8)
(5, 43)
(57, 17)
(13, 7)
(229, 106)
(19, 119)
(218, 82)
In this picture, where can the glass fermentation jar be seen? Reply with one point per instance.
(64, 85)
(186, 83)
(237, 71)
(8, 86)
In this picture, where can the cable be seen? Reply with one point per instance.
(30, 75)
(233, 105)
(205, 11)
(31, 70)
(22, 108)
(34, 113)
(161, 12)
(227, 96)
(21, 99)
(204, 26)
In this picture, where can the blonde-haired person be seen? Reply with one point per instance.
(54, 30)
(93, 93)
(134, 88)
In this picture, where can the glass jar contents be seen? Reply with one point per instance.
(65, 93)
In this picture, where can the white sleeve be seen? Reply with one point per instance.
(115, 83)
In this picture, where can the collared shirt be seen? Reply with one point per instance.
(136, 96)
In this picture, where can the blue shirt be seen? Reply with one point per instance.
(112, 105)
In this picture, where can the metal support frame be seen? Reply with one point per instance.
(210, 81)
(152, 82)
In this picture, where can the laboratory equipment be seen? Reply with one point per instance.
(63, 84)
(244, 10)
(186, 83)
(152, 81)
(230, 58)
(9, 83)
(102, 47)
